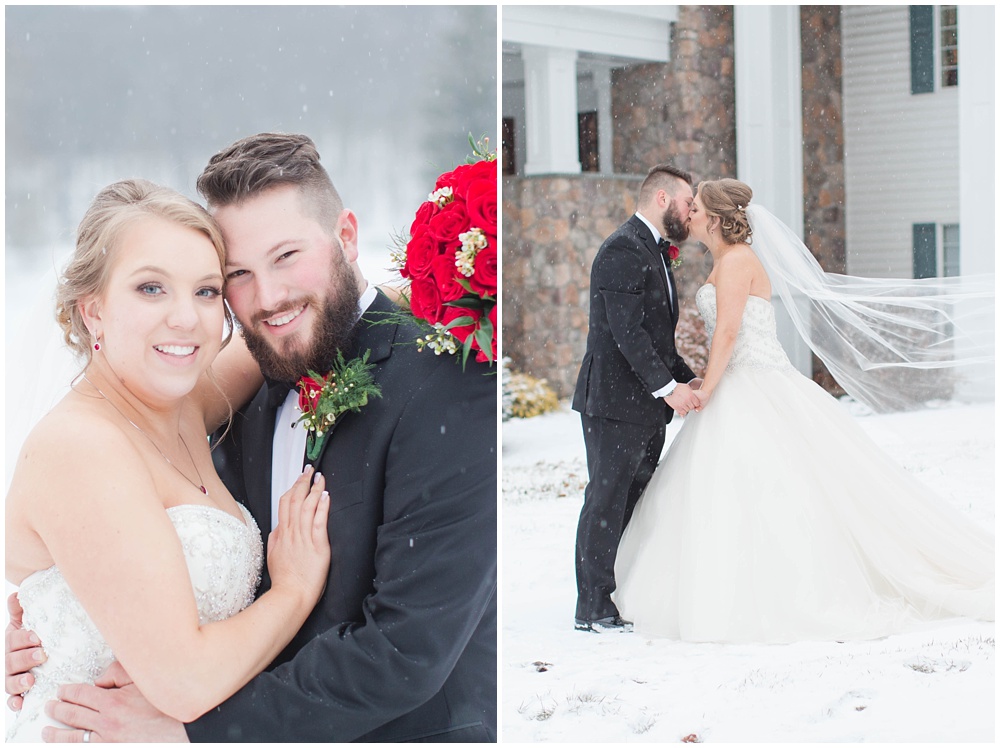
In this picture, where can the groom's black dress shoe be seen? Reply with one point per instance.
(611, 623)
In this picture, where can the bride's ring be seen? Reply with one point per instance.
(86, 735)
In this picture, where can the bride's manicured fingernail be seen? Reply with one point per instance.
(33, 638)
(38, 655)
(325, 496)
(317, 477)
(25, 681)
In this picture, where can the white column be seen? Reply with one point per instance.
(550, 110)
(976, 154)
(605, 125)
(769, 107)
(768, 73)
(976, 144)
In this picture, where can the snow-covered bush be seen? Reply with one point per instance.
(523, 395)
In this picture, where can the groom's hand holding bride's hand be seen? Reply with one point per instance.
(682, 400)
(703, 397)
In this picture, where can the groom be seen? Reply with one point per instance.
(631, 382)
(402, 645)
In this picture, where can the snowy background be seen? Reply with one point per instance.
(563, 685)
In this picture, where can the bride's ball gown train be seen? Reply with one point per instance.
(775, 518)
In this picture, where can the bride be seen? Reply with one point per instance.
(773, 517)
(124, 542)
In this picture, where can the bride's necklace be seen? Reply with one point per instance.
(200, 487)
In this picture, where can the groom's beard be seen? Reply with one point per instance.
(333, 330)
(673, 227)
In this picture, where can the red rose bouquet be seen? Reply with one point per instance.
(450, 259)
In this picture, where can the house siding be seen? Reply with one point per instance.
(900, 149)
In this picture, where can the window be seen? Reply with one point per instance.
(589, 156)
(921, 49)
(925, 255)
(924, 250)
(507, 151)
(949, 250)
(949, 45)
(926, 23)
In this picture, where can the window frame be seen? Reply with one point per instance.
(929, 78)
(944, 228)
(589, 148)
(508, 146)
(925, 248)
(939, 66)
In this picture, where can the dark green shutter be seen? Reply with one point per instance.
(924, 250)
(921, 49)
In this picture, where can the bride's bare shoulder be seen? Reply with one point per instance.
(738, 261)
(72, 441)
(741, 261)
(739, 254)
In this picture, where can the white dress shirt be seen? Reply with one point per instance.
(669, 386)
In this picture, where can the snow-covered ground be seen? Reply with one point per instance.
(563, 685)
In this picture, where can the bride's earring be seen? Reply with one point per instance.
(97, 346)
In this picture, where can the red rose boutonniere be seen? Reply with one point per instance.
(450, 260)
(323, 399)
(674, 255)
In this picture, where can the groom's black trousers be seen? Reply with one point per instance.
(621, 458)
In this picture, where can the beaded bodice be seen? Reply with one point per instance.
(224, 557)
(757, 345)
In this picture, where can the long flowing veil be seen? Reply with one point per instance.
(891, 343)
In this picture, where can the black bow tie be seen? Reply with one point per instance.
(277, 392)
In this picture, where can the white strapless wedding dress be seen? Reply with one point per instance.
(224, 557)
(773, 517)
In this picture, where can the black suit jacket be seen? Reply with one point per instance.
(630, 344)
(402, 645)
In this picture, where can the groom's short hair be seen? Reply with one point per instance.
(260, 162)
(663, 177)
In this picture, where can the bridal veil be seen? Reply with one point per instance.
(891, 343)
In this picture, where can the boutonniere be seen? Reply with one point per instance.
(323, 399)
(674, 255)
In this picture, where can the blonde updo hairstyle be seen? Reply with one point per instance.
(727, 200)
(98, 242)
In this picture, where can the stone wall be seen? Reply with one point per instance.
(552, 229)
(823, 146)
(823, 136)
(684, 111)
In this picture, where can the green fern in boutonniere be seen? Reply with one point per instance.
(323, 399)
